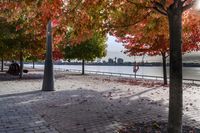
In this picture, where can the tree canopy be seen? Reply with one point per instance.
(122, 18)
(89, 50)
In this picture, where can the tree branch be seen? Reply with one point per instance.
(138, 4)
(188, 6)
(163, 2)
(130, 24)
(160, 11)
(160, 8)
(183, 2)
(157, 6)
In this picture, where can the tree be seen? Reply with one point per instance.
(8, 40)
(149, 38)
(46, 11)
(25, 43)
(18, 34)
(131, 12)
(87, 50)
(3, 38)
(152, 38)
(117, 16)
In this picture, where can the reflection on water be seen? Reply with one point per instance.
(188, 72)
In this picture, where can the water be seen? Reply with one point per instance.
(188, 72)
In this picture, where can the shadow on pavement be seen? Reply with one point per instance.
(83, 110)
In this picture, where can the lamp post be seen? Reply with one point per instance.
(48, 79)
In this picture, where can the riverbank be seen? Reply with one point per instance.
(89, 103)
(150, 64)
(188, 72)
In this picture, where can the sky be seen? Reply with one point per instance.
(115, 49)
(197, 5)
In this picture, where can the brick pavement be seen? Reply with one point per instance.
(86, 104)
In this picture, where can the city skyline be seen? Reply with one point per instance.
(115, 49)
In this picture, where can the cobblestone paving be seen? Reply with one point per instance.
(86, 104)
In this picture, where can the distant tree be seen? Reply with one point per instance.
(87, 50)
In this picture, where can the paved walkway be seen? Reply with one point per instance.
(87, 104)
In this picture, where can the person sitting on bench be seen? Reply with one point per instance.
(14, 69)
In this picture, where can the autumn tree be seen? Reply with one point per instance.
(18, 33)
(87, 50)
(149, 38)
(9, 40)
(4, 38)
(127, 13)
(117, 16)
(35, 16)
(83, 16)
(152, 38)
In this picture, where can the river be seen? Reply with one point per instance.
(188, 72)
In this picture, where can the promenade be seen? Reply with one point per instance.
(86, 104)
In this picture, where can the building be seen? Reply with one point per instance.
(110, 61)
(104, 62)
(120, 61)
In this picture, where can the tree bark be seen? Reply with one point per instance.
(48, 79)
(164, 68)
(175, 92)
(33, 64)
(83, 67)
(21, 65)
(2, 64)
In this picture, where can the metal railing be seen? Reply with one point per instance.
(149, 77)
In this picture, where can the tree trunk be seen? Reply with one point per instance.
(164, 68)
(83, 67)
(175, 93)
(21, 65)
(2, 64)
(33, 64)
(48, 79)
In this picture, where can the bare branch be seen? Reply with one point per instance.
(159, 8)
(160, 11)
(188, 6)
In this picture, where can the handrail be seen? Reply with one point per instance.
(130, 75)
